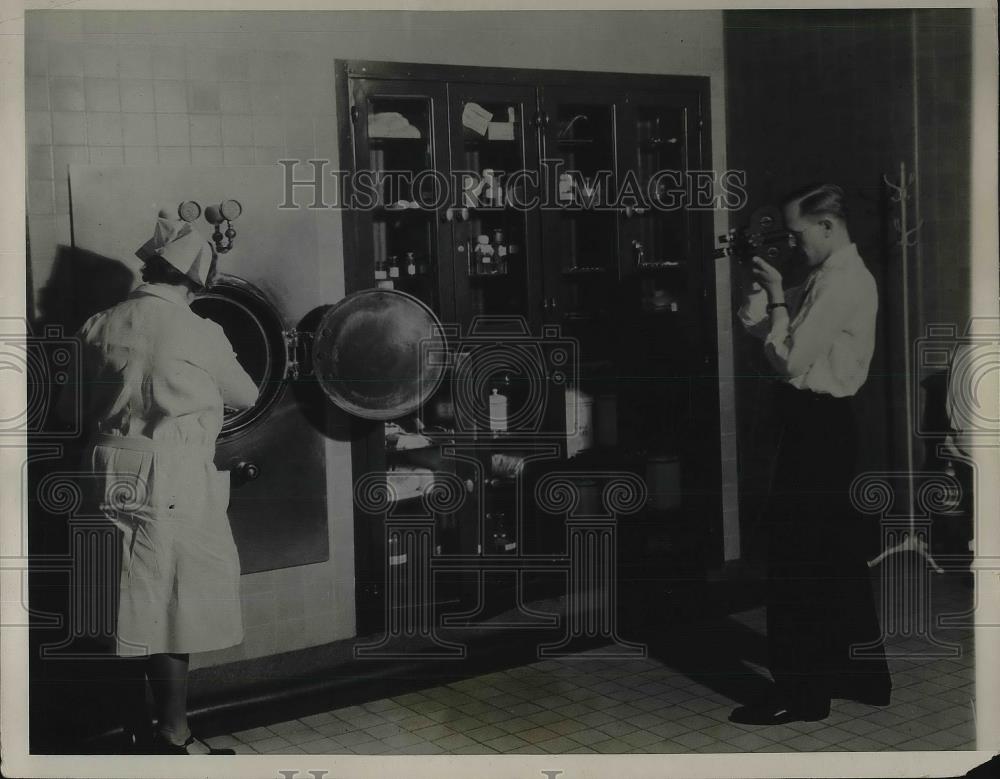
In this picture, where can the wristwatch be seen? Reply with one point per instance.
(772, 306)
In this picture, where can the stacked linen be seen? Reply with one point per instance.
(391, 124)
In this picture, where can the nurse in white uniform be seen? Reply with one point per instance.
(156, 377)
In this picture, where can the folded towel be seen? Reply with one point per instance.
(391, 124)
(409, 482)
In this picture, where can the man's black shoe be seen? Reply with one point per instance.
(777, 714)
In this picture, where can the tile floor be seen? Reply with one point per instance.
(589, 704)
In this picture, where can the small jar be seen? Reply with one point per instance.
(484, 256)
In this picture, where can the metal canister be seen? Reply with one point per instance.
(663, 481)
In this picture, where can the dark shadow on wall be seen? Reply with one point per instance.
(76, 686)
(82, 283)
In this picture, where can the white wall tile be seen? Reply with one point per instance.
(39, 162)
(106, 155)
(139, 129)
(135, 62)
(41, 199)
(267, 155)
(268, 131)
(205, 131)
(69, 128)
(265, 66)
(204, 97)
(299, 132)
(206, 155)
(102, 94)
(237, 130)
(169, 62)
(140, 155)
(36, 57)
(234, 98)
(237, 155)
(172, 130)
(233, 65)
(100, 22)
(104, 129)
(202, 63)
(174, 155)
(66, 94)
(266, 98)
(36, 93)
(64, 156)
(60, 23)
(137, 96)
(62, 203)
(65, 59)
(100, 61)
(170, 97)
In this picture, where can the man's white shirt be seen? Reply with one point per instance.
(825, 339)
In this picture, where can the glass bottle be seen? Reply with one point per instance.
(500, 250)
(411, 264)
(394, 267)
(484, 256)
(380, 272)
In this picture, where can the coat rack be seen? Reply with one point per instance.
(907, 239)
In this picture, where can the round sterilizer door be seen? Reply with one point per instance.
(379, 354)
(255, 329)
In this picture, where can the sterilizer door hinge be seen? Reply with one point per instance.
(298, 348)
(355, 113)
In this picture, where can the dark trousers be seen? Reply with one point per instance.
(819, 596)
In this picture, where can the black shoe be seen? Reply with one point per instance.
(163, 747)
(777, 714)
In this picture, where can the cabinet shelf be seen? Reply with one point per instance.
(486, 143)
(658, 143)
(381, 141)
(668, 265)
(584, 271)
(398, 210)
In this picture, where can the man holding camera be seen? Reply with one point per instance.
(819, 339)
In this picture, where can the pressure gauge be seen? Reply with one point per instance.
(231, 209)
(189, 210)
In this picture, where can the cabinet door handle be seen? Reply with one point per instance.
(545, 304)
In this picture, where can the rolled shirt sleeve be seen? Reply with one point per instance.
(238, 389)
(753, 312)
(793, 346)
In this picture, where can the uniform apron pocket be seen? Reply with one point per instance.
(220, 489)
(140, 552)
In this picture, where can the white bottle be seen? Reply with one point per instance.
(498, 412)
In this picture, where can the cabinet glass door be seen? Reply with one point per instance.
(494, 173)
(581, 212)
(401, 138)
(657, 133)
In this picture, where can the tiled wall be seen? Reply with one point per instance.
(207, 88)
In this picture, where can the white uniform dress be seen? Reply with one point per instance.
(156, 376)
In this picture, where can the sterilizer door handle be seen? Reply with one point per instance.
(246, 471)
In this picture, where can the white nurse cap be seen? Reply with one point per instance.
(177, 242)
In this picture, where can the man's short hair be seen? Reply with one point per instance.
(819, 200)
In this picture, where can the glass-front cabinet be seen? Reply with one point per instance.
(495, 229)
(542, 217)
